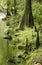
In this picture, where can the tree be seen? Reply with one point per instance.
(27, 19)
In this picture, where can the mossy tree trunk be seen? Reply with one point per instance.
(27, 19)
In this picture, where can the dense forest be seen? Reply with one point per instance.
(20, 32)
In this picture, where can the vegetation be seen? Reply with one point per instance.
(21, 32)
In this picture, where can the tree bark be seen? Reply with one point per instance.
(27, 19)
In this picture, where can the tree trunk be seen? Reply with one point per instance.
(27, 19)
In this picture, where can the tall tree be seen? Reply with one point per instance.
(27, 19)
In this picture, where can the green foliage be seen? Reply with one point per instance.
(37, 12)
(22, 46)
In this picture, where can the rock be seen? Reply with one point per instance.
(37, 64)
(2, 15)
